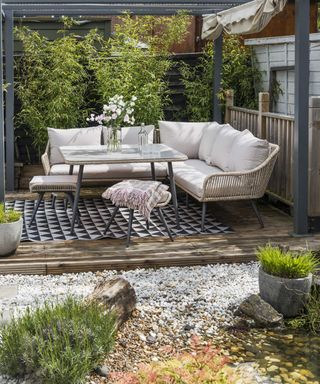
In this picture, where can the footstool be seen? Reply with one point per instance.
(166, 197)
(53, 184)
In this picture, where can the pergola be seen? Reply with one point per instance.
(13, 9)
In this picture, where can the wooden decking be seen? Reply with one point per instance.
(79, 256)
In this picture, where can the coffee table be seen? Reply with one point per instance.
(93, 154)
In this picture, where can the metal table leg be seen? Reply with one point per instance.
(153, 171)
(173, 192)
(71, 170)
(76, 199)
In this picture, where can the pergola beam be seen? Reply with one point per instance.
(301, 121)
(217, 70)
(2, 149)
(9, 68)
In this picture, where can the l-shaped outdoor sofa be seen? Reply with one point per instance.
(223, 163)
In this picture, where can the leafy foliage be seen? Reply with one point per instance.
(311, 318)
(9, 215)
(202, 366)
(313, 310)
(59, 343)
(239, 72)
(53, 81)
(124, 67)
(277, 262)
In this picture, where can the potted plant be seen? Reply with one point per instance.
(10, 230)
(285, 278)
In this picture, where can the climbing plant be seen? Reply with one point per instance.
(239, 72)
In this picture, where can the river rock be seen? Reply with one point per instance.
(119, 296)
(263, 314)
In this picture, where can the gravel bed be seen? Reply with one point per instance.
(173, 304)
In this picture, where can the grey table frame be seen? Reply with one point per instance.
(85, 155)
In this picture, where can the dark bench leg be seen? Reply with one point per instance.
(203, 215)
(111, 220)
(256, 211)
(129, 227)
(35, 210)
(164, 222)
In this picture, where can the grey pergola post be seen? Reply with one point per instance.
(301, 144)
(218, 45)
(8, 45)
(2, 155)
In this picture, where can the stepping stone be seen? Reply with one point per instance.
(8, 291)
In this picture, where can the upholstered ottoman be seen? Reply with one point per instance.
(52, 184)
(126, 194)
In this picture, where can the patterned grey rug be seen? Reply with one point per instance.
(54, 223)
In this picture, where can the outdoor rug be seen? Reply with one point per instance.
(54, 223)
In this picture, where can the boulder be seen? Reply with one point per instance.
(118, 295)
(263, 314)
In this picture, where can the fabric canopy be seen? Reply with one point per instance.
(247, 18)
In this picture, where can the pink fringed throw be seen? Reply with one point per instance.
(140, 195)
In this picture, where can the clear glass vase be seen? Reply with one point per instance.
(114, 139)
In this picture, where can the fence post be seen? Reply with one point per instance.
(264, 104)
(314, 156)
(229, 94)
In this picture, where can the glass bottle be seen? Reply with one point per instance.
(142, 137)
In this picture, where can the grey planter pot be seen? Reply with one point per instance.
(10, 236)
(287, 296)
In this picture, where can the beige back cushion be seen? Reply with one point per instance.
(130, 134)
(184, 137)
(68, 137)
(248, 152)
(221, 149)
(209, 136)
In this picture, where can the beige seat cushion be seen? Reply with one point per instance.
(221, 149)
(68, 137)
(113, 171)
(130, 134)
(247, 152)
(184, 137)
(53, 183)
(191, 174)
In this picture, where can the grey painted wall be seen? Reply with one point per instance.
(278, 53)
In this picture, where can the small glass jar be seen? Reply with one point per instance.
(142, 137)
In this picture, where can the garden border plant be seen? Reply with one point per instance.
(59, 343)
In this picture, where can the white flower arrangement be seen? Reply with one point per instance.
(116, 113)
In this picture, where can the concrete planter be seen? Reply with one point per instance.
(287, 296)
(10, 236)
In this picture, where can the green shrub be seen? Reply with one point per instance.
(239, 72)
(310, 319)
(277, 262)
(203, 365)
(313, 310)
(52, 81)
(123, 67)
(9, 215)
(60, 344)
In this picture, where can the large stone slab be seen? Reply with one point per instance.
(118, 295)
(263, 314)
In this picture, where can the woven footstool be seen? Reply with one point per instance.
(164, 201)
(52, 184)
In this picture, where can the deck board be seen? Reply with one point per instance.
(94, 255)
